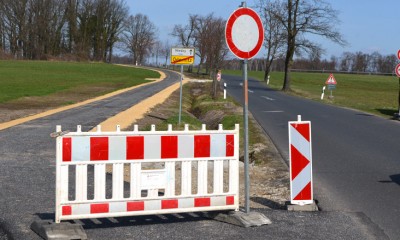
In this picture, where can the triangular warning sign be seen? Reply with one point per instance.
(331, 80)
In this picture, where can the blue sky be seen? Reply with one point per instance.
(367, 25)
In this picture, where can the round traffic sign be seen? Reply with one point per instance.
(244, 33)
(397, 70)
(398, 54)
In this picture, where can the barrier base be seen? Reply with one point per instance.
(251, 219)
(60, 231)
(313, 207)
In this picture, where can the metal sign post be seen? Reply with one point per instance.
(244, 34)
(180, 97)
(246, 136)
(182, 56)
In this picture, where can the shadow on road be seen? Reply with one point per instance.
(132, 221)
(268, 203)
(387, 112)
(394, 179)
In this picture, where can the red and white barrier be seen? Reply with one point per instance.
(300, 153)
(83, 158)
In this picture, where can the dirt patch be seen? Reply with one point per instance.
(28, 106)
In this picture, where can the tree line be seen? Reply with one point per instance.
(37, 29)
(348, 62)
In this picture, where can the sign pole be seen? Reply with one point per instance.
(244, 35)
(398, 115)
(180, 97)
(246, 137)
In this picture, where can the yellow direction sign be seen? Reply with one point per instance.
(182, 56)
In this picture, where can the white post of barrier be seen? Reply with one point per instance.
(300, 154)
(268, 80)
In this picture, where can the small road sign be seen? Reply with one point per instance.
(398, 54)
(182, 56)
(331, 80)
(219, 76)
(331, 87)
(398, 70)
(244, 33)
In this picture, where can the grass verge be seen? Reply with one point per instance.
(369, 93)
(19, 79)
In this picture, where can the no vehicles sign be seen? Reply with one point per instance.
(182, 56)
(398, 70)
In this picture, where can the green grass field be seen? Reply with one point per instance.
(36, 78)
(374, 94)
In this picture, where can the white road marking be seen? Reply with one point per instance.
(272, 111)
(250, 91)
(268, 98)
(241, 84)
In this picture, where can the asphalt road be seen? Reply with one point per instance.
(356, 156)
(27, 190)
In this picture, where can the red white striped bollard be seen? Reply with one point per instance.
(300, 153)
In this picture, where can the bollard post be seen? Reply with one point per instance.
(224, 90)
(323, 92)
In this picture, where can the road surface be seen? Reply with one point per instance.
(356, 156)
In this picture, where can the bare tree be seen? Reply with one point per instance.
(138, 36)
(301, 17)
(165, 51)
(186, 34)
(274, 35)
(361, 62)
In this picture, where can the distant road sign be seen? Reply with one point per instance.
(219, 75)
(398, 70)
(244, 33)
(398, 54)
(331, 80)
(182, 56)
(331, 87)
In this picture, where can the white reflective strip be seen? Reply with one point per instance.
(81, 183)
(152, 147)
(301, 181)
(218, 201)
(170, 188)
(80, 149)
(152, 193)
(186, 203)
(115, 207)
(218, 176)
(136, 191)
(117, 148)
(300, 143)
(186, 180)
(202, 177)
(218, 145)
(118, 181)
(152, 205)
(185, 146)
(233, 176)
(80, 209)
(100, 181)
(64, 183)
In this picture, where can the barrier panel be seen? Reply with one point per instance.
(300, 154)
(116, 174)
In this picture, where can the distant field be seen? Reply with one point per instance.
(369, 93)
(24, 79)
